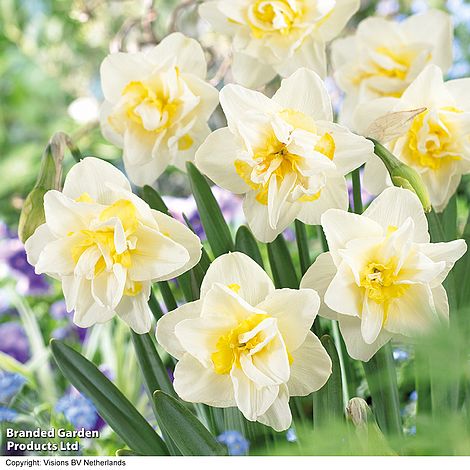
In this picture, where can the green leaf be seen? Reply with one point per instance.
(302, 246)
(111, 404)
(382, 379)
(126, 453)
(328, 401)
(282, 265)
(154, 200)
(186, 431)
(216, 228)
(154, 305)
(246, 243)
(167, 295)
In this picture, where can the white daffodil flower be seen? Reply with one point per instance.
(284, 153)
(383, 57)
(157, 105)
(246, 344)
(107, 246)
(277, 36)
(435, 143)
(382, 277)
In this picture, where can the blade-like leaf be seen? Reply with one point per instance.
(282, 265)
(154, 200)
(111, 404)
(302, 246)
(328, 401)
(216, 228)
(246, 243)
(186, 431)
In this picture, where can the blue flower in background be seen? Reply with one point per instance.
(58, 311)
(78, 410)
(235, 442)
(14, 342)
(7, 414)
(413, 396)
(291, 435)
(10, 385)
(400, 355)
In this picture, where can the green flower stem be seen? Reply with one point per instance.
(282, 266)
(167, 295)
(302, 246)
(423, 385)
(382, 379)
(357, 196)
(155, 306)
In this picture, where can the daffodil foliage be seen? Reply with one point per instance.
(259, 331)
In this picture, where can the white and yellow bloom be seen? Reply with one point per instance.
(435, 143)
(382, 277)
(157, 105)
(277, 36)
(284, 153)
(107, 246)
(383, 57)
(246, 344)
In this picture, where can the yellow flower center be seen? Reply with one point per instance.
(278, 16)
(103, 239)
(431, 143)
(230, 347)
(274, 159)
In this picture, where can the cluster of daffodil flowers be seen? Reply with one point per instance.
(242, 342)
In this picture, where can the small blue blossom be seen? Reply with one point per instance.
(10, 385)
(78, 410)
(413, 396)
(291, 435)
(400, 355)
(7, 414)
(235, 442)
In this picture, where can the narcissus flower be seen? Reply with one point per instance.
(383, 57)
(435, 143)
(277, 36)
(246, 344)
(157, 105)
(382, 277)
(107, 246)
(284, 153)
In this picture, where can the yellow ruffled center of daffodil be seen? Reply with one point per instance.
(431, 143)
(274, 159)
(230, 347)
(278, 16)
(103, 238)
(394, 64)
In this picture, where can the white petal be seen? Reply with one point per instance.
(93, 176)
(166, 336)
(319, 277)
(197, 384)
(119, 69)
(305, 91)
(251, 72)
(135, 311)
(181, 51)
(376, 177)
(372, 320)
(460, 90)
(156, 257)
(56, 258)
(337, 19)
(310, 368)
(278, 416)
(251, 400)
(441, 303)
(357, 348)
(240, 270)
(36, 243)
(394, 206)
(449, 252)
(182, 235)
(340, 227)
(295, 311)
(108, 287)
(216, 158)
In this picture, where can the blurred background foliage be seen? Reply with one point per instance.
(50, 53)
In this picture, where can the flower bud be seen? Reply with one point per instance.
(402, 175)
(50, 175)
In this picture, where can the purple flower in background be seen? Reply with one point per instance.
(235, 442)
(13, 262)
(10, 385)
(14, 342)
(58, 311)
(79, 411)
(7, 415)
